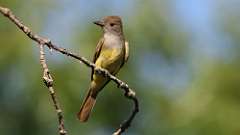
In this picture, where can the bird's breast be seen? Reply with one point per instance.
(112, 53)
(113, 46)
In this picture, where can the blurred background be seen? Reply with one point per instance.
(184, 65)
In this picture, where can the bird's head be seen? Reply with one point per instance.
(112, 24)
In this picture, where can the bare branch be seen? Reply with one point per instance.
(129, 93)
(48, 80)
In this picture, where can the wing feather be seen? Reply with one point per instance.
(97, 53)
(126, 55)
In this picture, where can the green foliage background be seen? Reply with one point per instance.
(187, 84)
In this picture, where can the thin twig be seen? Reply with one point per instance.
(48, 80)
(129, 93)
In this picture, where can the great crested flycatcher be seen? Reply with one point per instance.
(111, 53)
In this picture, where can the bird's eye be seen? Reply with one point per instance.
(112, 24)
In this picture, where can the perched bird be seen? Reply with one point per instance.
(111, 53)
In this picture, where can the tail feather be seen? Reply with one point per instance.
(90, 99)
(87, 107)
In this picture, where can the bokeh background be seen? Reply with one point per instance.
(184, 65)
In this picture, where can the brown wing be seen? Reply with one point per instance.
(126, 55)
(97, 52)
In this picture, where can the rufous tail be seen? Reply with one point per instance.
(87, 107)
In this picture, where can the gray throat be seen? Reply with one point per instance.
(113, 40)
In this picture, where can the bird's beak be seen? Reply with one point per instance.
(99, 23)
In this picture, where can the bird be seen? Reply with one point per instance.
(111, 53)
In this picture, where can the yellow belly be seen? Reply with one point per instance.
(110, 60)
